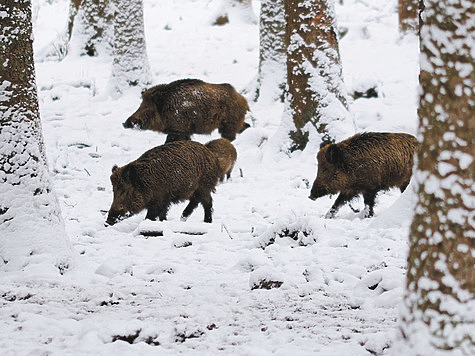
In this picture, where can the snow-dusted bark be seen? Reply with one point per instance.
(316, 96)
(439, 305)
(93, 24)
(31, 226)
(130, 66)
(408, 15)
(272, 66)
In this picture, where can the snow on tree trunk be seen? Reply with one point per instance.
(408, 15)
(130, 66)
(272, 61)
(94, 27)
(316, 97)
(439, 305)
(31, 226)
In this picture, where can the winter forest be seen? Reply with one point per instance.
(290, 177)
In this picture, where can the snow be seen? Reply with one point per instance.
(191, 290)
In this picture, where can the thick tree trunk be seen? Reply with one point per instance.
(316, 93)
(30, 217)
(130, 66)
(440, 297)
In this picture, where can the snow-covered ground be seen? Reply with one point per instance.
(341, 280)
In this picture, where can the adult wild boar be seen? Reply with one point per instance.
(226, 153)
(187, 106)
(174, 172)
(364, 163)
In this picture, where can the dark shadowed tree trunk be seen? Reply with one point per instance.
(316, 94)
(130, 65)
(440, 296)
(30, 217)
(271, 77)
(408, 15)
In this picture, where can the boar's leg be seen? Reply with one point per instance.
(156, 210)
(207, 203)
(369, 198)
(194, 201)
(227, 132)
(403, 187)
(177, 136)
(339, 202)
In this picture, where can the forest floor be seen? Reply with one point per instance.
(128, 294)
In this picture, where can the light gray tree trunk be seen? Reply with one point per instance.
(316, 97)
(130, 65)
(271, 78)
(31, 226)
(439, 305)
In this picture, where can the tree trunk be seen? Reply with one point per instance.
(30, 217)
(439, 301)
(408, 15)
(271, 77)
(130, 66)
(95, 27)
(316, 93)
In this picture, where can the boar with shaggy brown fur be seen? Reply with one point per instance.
(174, 172)
(226, 153)
(187, 106)
(364, 163)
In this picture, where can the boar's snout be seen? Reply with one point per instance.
(317, 191)
(114, 217)
(129, 123)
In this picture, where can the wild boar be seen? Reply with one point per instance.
(187, 106)
(226, 153)
(364, 163)
(167, 174)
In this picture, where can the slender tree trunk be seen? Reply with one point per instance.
(439, 303)
(408, 15)
(30, 217)
(130, 66)
(316, 93)
(271, 77)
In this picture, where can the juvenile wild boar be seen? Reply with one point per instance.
(364, 163)
(226, 153)
(187, 106)
(174, 172)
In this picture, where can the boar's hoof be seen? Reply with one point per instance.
(330, 214)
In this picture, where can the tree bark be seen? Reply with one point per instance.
(30, 217)
(95, 28)
(316, 93)
(408, 15)
(440, 289)
(130, 66)
(271, 76)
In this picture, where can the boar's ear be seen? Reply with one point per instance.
(130, 174)
(334, 155)
(114, 168)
